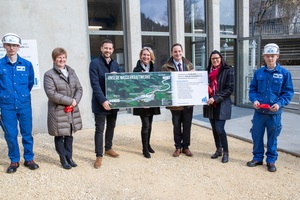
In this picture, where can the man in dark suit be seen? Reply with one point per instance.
(181, 115)
(100, 105)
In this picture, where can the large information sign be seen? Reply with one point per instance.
(28, 50)
(156, 89)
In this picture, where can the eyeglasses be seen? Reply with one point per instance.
(215, 58)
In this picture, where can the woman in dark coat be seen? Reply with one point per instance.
(221, 86)
(64, 93)
(145, 64)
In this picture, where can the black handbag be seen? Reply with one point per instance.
(208, 111)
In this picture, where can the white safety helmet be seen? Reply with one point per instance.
(271, 48)
(11, 38)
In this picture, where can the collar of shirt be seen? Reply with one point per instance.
(176, 64)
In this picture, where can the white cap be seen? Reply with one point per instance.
(271, 48)
(11, 38)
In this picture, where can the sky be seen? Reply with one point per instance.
(156, 9)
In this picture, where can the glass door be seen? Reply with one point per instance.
(248, 61)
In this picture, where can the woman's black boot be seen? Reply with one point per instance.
(71, 162)
(225, 157)
(64, 162)
(149, 146)
(145, 146)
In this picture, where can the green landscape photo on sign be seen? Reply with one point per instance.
(139, 89)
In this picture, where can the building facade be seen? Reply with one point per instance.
(201, 26)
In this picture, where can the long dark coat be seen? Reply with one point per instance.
(145, 111)
(222, 98)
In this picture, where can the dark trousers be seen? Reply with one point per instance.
(146, 130)
(109, 132)
(220, 136)
(182, 122)
(64, 146)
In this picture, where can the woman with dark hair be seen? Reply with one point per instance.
(221, 86)
(146, 64)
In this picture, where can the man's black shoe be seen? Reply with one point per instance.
(254, 163)
(31, 165)
(271, 167)
(12, 167)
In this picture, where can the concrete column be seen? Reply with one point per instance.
(213, 22)
(53, 26)
(245, 65)
(133, 28)
(177, 23)
(243, 18)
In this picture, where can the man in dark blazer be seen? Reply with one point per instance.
(181, 115)
(100, 104)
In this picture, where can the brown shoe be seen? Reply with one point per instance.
(176, 152)
(98, 162)
(111, 153)
(187, 152)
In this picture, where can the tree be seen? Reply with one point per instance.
(265, 11)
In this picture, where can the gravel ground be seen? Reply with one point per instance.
(131, 176)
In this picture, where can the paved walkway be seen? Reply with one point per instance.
(240, 124)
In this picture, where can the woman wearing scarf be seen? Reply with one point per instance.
(221, 86)
(146, 64)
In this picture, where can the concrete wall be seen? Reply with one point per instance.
(53, 24)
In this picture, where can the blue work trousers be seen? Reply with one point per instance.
(10, 118)
(273, 125)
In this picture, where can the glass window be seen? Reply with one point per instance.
(160, 47)
(194, 16)
(155, 15)
(227, 17)
(105, 15)
(118, 55)
(227, 50)
(195, 52)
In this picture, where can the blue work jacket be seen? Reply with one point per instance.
(16, 82)
(271, 87)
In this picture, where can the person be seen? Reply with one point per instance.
(181, 115)
(270, 90)
(146, 64)
(64, 93)
(100, 104)
(16, 82)
(221, 86)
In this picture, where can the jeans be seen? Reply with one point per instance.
(220, 136)
(109, 132)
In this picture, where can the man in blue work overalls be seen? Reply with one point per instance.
(270, 90)
(16, 82)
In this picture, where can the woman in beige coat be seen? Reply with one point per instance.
(64, 92)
